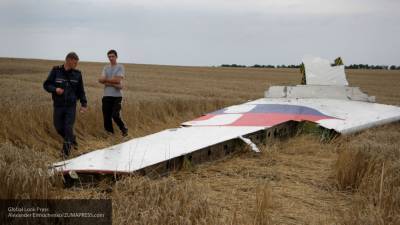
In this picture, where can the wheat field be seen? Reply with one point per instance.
(351, 180)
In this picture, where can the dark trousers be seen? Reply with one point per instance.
(64, 119)
(111, 111)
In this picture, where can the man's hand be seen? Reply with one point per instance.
(59, 91)
(83, 109)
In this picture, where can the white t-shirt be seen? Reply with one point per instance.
(109, 71)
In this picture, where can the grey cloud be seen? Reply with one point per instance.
(195, 36)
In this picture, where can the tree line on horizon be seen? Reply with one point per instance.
(351, 66)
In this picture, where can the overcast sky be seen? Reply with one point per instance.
(203, 32)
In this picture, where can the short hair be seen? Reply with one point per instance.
(72, 55)
(112, 51)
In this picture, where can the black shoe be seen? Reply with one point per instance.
(124, 132)
(66, 150)
(64, 154)
(75, 144)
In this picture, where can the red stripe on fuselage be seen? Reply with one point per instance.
(205, 117)
(271, 119)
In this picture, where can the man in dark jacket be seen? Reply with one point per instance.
(66, 86)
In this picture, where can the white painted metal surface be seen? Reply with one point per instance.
(344, 116)
(348, 116)
(152, 149)
(320, 72)
(318, 91)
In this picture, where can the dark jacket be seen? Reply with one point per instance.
(70, 81)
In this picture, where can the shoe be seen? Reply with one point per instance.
(66, 150)
(64, 154)
(75, 144)
(124, 132)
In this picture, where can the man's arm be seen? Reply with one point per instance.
(102, 79)
(114, 80)
(81, 93)
(118, 86)
(49, 84)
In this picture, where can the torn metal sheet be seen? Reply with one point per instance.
(141, 152)
(319, 91)
(320, 72)
(250, 144)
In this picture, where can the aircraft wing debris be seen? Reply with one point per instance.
(326, 100)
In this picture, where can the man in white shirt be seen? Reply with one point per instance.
(112, 77)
